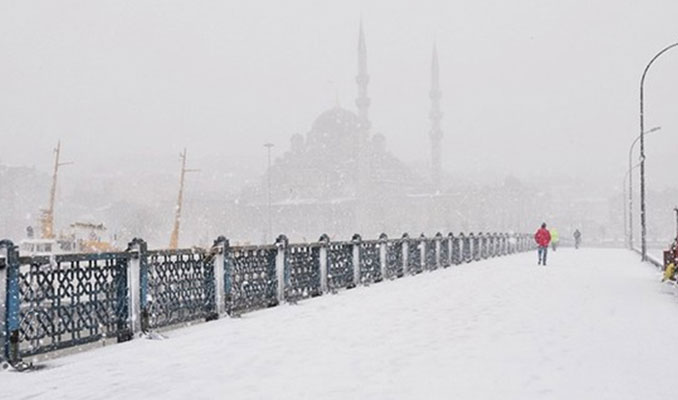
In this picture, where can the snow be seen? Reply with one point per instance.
(593, 324)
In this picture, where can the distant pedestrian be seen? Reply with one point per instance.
(577, 238)
(543, 238)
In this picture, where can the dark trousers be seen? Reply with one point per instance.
(541, 254)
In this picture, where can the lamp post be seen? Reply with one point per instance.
(269, 231)
(643, 217)
(630, 205)
(629, 237)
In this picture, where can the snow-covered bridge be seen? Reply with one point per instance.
(592, 324)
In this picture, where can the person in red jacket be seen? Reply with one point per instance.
(543, 238)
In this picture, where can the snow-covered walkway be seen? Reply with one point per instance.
(594, 324)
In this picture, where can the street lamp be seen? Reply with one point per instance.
(643, 217)
(629, 235)
(269, 232)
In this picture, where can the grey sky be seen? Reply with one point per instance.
(529, 87)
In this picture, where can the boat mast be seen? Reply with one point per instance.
(47, 220)
(174, 238)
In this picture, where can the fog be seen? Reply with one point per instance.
(539, 108)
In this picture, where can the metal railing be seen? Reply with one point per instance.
(67, 300)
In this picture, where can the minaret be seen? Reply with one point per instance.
(362, 79)
(435, 115)
(363, 104)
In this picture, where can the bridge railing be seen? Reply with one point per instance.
(67, 300)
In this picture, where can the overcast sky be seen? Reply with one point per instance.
(530, 87)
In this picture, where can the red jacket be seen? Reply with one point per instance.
(542, 237)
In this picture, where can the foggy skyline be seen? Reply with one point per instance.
(135, 80)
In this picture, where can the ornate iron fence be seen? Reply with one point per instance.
(477, 251)
(67, 300)
(394, 258)
(414, 249)
(455, 249)
(253, 278)
(467, 247)
(430, 252)
(180, 287)
(340, 265)
(370, 260)
(303, 264)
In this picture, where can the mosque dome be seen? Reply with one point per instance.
(336, 121)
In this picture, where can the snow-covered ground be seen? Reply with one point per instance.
(594, 324)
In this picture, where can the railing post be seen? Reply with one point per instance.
(473, 244)
(3, 305)
(482, 244)
(356, 240)
(489, 237)
(220, 247)
(406, 253)
(438, 242)
(281, 268)
(9, 280)
(324, 242)
(137, 288)
(422, 253)
(497, 244)
(450, 244)
(383, 242)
